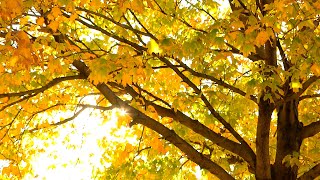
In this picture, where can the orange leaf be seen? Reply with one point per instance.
(56, 12)
(126, 79)
(315, 69)
(54, 25)
(11, 170)
(262, 38)
(40, 21)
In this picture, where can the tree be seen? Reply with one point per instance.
(233, 85)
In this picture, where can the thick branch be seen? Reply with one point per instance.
(311, 174)
(307, 84)
(310, 130)
(242, 151)
(205, 100)
(252, 57)
(309, 96)
(170, 135)
(191, 153)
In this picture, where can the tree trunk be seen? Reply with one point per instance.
(288, 139)
(263, 170)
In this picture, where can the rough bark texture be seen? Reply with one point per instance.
(266, 107)
(262, 165)
(288, 139)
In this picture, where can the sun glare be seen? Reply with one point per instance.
(75, 153)
(122, 112)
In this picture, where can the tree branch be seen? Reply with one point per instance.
(124, 26)
(60, 122)
(239, 149)
(307, 84)
(84, 106)
(252, 57)
(43, 88)
(136, 18)
(107, 33)
(70, 118)
(285, 61)
(311, 174)
(309, 96)
(170, 135)
(181, 20)
(310, 130)
(205, 100)
(217, 81)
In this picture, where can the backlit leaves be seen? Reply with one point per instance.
(191, 66)
(153, 47)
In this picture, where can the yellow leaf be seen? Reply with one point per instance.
(24, 20)
(44, 125)
(295, 85)
(124, 120)
(13, 60)
(153, 47)
(151, 109)
(124, 5)
(166, 120)
(158, 145)
(18, 129)
(250, 29)
(234, 34)
(317, 5)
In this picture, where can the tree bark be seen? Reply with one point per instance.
(263, 170)
(288, 139)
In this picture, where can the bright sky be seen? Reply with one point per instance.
(61, 161)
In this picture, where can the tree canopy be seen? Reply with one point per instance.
(228, 87)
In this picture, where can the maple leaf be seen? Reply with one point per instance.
(262, 38)
(40, 21)
(315, 68)
(153, 47)
(159, 89)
